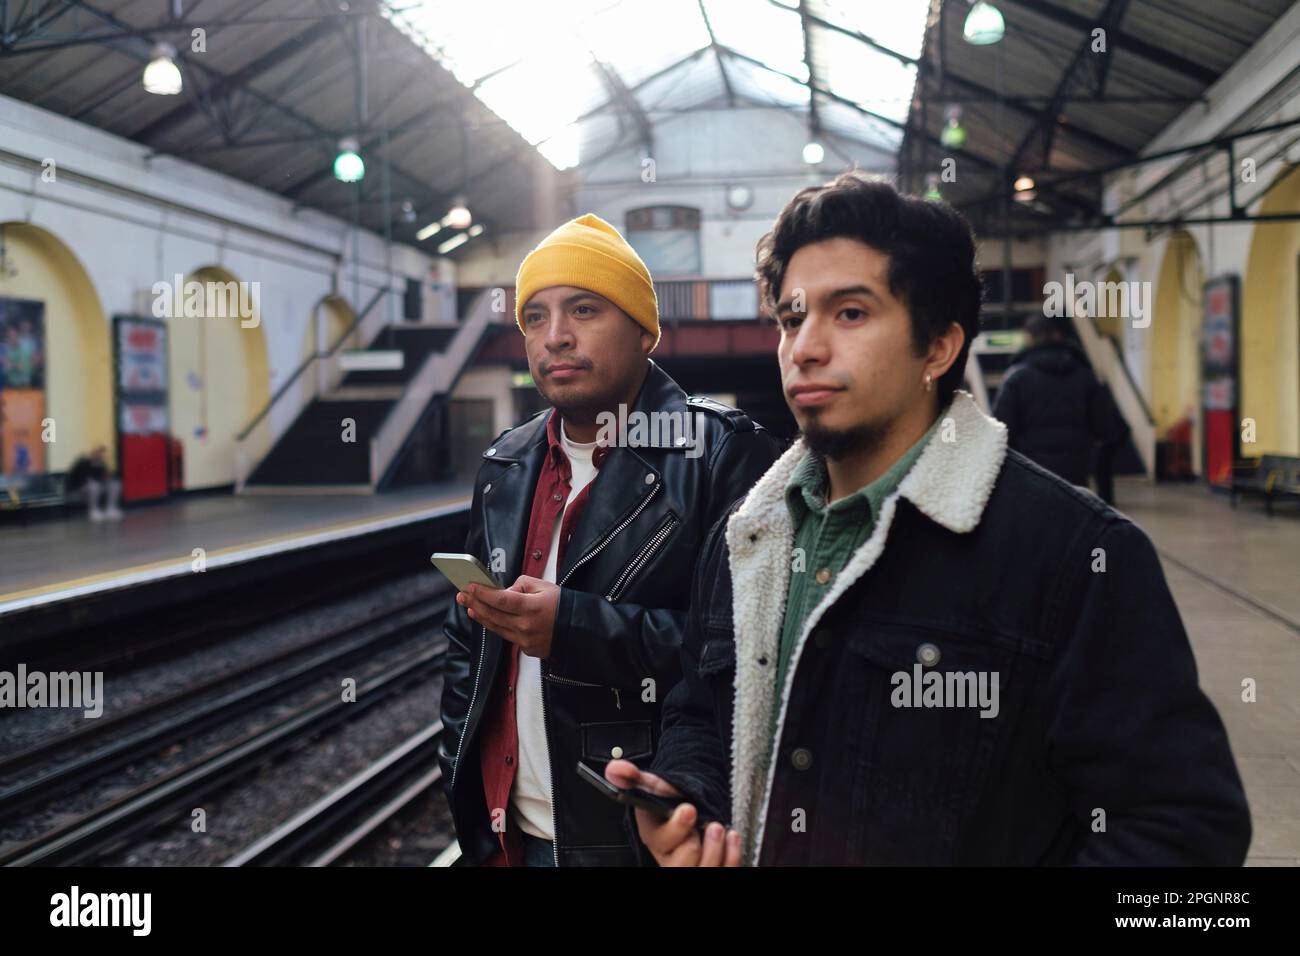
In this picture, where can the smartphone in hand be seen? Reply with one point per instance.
(661, 807)
(462, 570)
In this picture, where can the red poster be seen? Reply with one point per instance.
(1219, 407)
(142, 407)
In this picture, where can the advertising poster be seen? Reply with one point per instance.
(22, 386)
(141, 349)
(1219, 380)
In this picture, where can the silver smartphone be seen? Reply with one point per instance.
(463, 570)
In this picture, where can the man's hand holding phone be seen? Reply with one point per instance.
(675, 841)
(523, 613)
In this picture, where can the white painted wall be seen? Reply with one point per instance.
(490, 382)
(697, 156)
(134, 221)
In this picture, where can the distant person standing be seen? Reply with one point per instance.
(91, 472)
(1055, 408)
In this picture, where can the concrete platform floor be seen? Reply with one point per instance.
(1235, 575)
(50, 556)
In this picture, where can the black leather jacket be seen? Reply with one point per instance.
(624, 584)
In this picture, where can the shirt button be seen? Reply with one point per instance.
(510, 761)
(801, 758)
(823, 638)
(510, 690)
(537, 554)
(927, 654)
(616, 752)
(823, 575)
(558, 497)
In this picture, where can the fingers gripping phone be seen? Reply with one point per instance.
(661, 807)
(462, 570)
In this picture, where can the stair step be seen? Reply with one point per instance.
(364, 393)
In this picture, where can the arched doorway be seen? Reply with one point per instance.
(220, 376)
(1270, 325)
(69, 335)
(331, 317)
(1175, 339)
(329, 320)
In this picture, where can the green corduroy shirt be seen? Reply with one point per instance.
(828, 535)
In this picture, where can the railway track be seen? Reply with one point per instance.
(114, 825)
(116, 741)
(324, 833)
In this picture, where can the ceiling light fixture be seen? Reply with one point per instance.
(162, 77)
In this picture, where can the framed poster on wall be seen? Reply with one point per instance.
(1220, 377)
(22, 386)
(144, 441)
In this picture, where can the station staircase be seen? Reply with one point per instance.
(334, 427)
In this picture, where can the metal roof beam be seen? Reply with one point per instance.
(1083, 134)
(1087, 136)
(1111, 18)
(226, 86)
(1121, 40)
(713, 45)
(620, 94)
(814, 123)
(142, 55)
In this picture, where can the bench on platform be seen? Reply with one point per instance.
(1275, 477)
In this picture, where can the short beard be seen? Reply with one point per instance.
(838, 444)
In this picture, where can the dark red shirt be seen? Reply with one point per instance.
(499, 733)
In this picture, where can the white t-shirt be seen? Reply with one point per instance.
(530, 794)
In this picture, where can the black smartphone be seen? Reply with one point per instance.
(661, 807)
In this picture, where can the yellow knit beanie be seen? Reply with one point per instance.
(589, 253)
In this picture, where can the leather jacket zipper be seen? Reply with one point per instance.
(546, 732)
(610, 537)
(642, 558)
(547, 675)
(464, 731)
(583, 683)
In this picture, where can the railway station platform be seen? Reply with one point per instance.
(55, 564)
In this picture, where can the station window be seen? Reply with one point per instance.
(667, 238)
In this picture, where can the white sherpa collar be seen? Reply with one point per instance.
(950, 483)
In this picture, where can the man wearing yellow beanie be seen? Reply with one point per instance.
(595, 510)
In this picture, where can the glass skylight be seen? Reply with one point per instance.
(542, 67)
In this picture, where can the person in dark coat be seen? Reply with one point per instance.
(1056, 410)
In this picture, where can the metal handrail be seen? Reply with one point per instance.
(1143, 432)
(1128, 373)
(314, 356)
(436, 375)
(258, 438)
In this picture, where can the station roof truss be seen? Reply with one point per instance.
(1046, 103)
(452, 97)
(270, 89)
